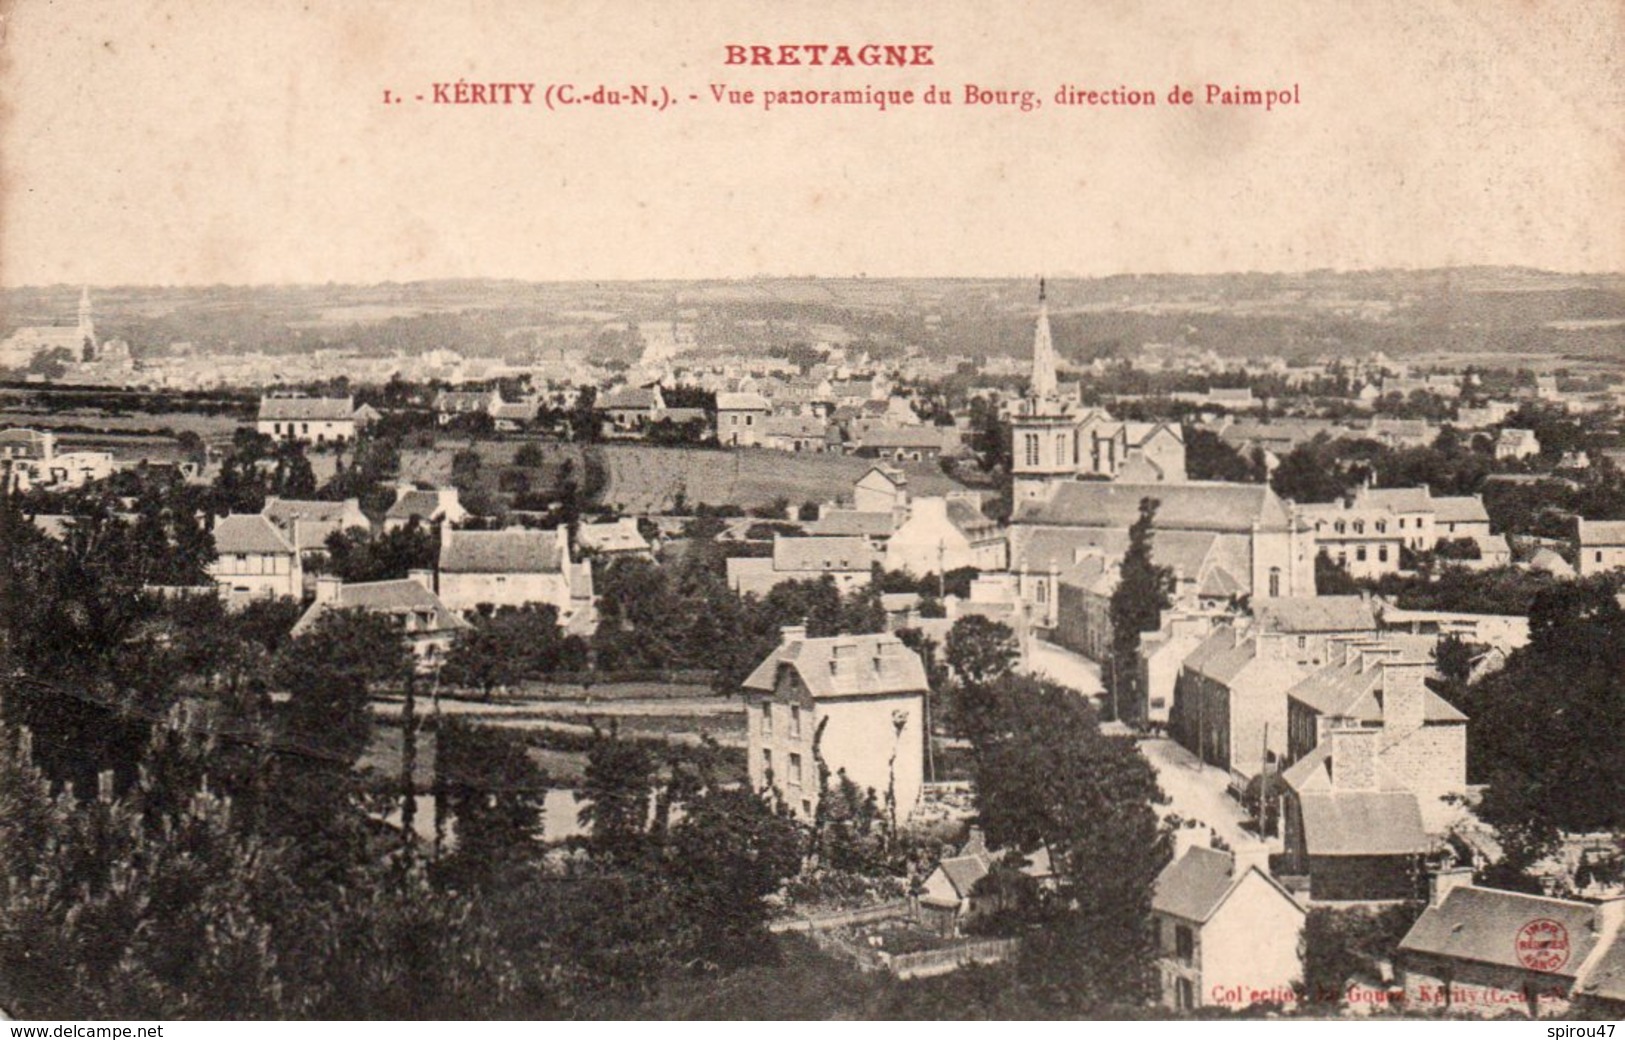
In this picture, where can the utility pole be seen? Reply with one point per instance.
(409, 755)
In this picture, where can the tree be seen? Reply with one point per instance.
(328, 673)
(486, 781)
(732, 850)
(616, 793)
(980, 651)
(1210, 457)
(1333, 578)
(1144, 590)
(1046, 776)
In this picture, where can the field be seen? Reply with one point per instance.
(646, 479)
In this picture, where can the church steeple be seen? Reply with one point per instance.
(87, 328)
(1043, 381)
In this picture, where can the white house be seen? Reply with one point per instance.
(740, 418)
(308, 524)
(308, 420)
(1602, 545)
(433, 506)
(513, 568)
(1227, 933)
(1512, 443)
(253, 560)
(427, 626)
(849, 561)
(856, 701)
(943, 534)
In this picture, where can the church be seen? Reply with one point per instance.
(1055, 440)
(1078, 479)
(79, 341)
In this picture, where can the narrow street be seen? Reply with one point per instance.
(1058, 664)
(1197, 791)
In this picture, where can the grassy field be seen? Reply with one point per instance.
(646, 479)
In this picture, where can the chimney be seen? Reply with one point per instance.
(327, 589)
(792, 633)
(423, 576)
(1354, 758)
(1446, 880)
(1403, 696)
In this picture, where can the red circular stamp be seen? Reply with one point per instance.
(1543, 945)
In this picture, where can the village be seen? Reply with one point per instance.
(1301, 678)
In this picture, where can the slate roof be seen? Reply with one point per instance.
(1602, 532)
(1193, 886)
(969, 519)
(248, 533)
(1342, 822)
(500, 552)
(1460, 509)
(397, 598)
(1192, 506)
(616, 536)
(908, 437)
(1605, 976)
(1220, 659)
(740, 402)
(324, 409)
(416, 503)
(1401, 500)
(854, 672)
(1295, 614)
(853, 522)
(822, 554)
(630, 397)
(1345, 691)
(1482, 924)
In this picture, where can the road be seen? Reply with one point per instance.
(1197, 791)
(1058, 664)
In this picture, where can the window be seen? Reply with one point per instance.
(1382, 553)
(767, 762)
(1342, 556)
(767, 720)
(1184, 944)
(1060, 449)
(1382, 526)
(806, 806)
(1359, 527)
(1339, 527)
(1031, 442)
(1359, 554)
(733, 420)
(1303, 642)
(1042, 592)
(1186, 996)
(795, 722)
(795, 769)
(749, 419)
(1275, 582)
(1402, 523)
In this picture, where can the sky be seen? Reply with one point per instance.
(191, 142)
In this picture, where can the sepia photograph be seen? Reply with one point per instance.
(586, 511)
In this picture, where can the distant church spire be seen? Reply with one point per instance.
(87, 328)
(1044, 383)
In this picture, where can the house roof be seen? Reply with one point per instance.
(741, 402)
(500, 552)
(855, 522)
(1460, 509)
(325, 409)
(968, 517)
(1604, 976)
(1347, 692)
(630, 397)
(248, 533)
(402, 596)
(1602, 532)
(1398, 500)
(616, 536)
(1294, 614)
(415, 503)
(1482, 924)
(1363, 823)
(907, 437)
(817, 553)
(1192, 506)
(1221, 659)
(1194, 885)
(840, 666)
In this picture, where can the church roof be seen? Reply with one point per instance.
(1191, 506)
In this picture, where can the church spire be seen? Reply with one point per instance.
(1043, 382)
